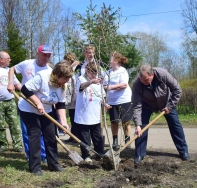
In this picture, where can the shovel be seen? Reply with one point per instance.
(117, 154)
(72, 154)
(61, 127)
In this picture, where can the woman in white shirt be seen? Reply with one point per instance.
(118, 96)
(45, 89)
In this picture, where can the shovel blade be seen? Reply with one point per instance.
(117, 159)
(75, 157)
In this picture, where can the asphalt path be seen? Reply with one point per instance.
(158, 138)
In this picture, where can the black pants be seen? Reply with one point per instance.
(35, 125)
(86, 132)
(74, 127)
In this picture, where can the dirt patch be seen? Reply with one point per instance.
(158, 169)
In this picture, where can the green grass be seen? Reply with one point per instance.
(189, 120)
(14, 173)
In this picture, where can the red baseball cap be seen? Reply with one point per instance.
(45, 49)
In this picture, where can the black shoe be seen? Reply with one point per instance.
(56, 169)
(69, 140)
(115, 143)
(127, 139)
(38, 173)
(185, 156)
(138, 160)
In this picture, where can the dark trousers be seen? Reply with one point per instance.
(74, 127)
(176, 131)
(86, 132)
(35, 125)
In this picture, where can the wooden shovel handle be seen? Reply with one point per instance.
(143, 130)
(62, 144)
(50, 118)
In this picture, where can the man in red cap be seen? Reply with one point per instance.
(28, 69)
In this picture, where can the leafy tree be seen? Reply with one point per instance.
(101, 30)
(15, 45)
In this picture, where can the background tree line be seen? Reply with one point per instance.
(25, 24)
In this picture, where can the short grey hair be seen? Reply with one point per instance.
(145, 68)
(2, 54)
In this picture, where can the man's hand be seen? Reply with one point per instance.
(166, 110)
(10, 87)
(138, 131)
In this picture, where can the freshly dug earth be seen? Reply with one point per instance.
(158, 169)
(161, 168)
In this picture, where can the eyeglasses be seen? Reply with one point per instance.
(9, 59)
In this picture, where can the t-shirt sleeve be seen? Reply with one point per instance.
(105, 80)
(19, 67)
(34, 83)
(80, 80)
(16, 81)
(124, 77)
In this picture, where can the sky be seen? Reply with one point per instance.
(147, 16)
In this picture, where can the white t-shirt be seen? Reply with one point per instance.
(116, 77)
(83, 68)
(47, 94)
(28, 69)
(88, 103)
(4, 93)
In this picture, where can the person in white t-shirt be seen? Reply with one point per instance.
(45, 89)
(119, 96)
(71, 59)
(88, 108)
(28, 70)
(8, 108)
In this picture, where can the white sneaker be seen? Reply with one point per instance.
(88, 160)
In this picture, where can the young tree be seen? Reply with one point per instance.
(101, 30)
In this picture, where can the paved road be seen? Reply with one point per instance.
(159, 138)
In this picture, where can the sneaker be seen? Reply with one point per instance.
(38, 173)
(88, 160)
(61, 133)
(69, 140)
(56, 169)
(127, 139)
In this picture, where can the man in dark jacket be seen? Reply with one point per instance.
(154, 90)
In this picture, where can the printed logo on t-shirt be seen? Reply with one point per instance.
(4, 80)
(51, 99)
(29, 72)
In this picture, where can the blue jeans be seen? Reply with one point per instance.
(26, 142)
(175, 128)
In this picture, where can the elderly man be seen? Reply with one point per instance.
(8, 109)
(154, 90)
(28, 69)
